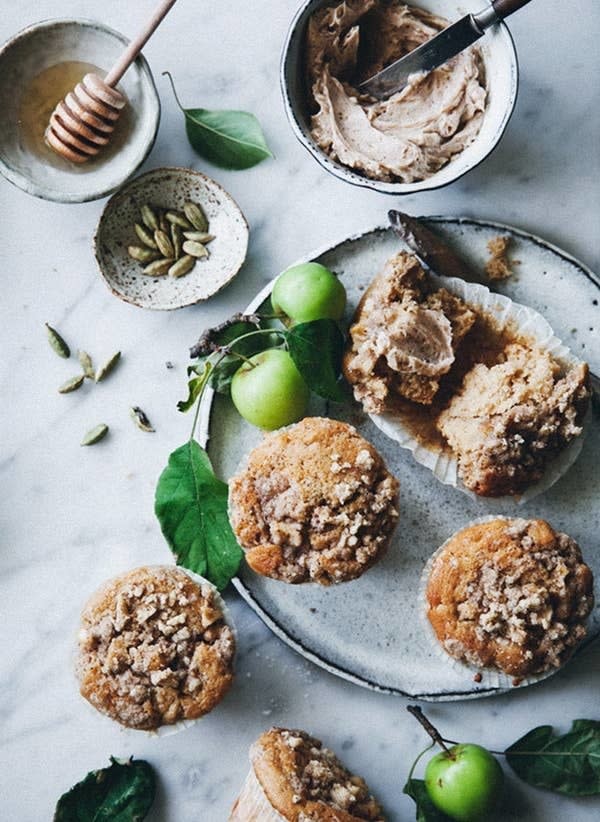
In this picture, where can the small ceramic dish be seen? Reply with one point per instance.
(170, 188)
(24, 158)
(500, 59)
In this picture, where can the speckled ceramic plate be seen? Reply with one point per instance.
(170, 188)
(370, 631)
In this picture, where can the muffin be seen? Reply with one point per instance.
(155, 648)
(509, 594)
(294, 778)
(313, 503)
(404, 337)
(509, 420)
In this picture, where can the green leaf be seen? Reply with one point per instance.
(196, 385)
(191, 506)
(229, 139)
(123, 792)
(426, 810)
(568, 764)
(317, 348)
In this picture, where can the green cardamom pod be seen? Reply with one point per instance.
(108, 366)
(196, 216)
(177, 218)
(182, 266)
(71, 385)
(58, 344)
(95, 435)
(176, 239)
(199, 236)
(165, 246)
(195, 249)
(149, 218)
(142, 255)
(140, 418)
(158, 268)
(145, 236)
(85, 361)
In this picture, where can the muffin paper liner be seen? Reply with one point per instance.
(252, 804)
(163, 730)
(528, 323)
(491, 677)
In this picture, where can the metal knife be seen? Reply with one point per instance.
(439, 49)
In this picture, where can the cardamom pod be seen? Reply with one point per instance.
(95, 435)
(85, 361)
(71, 385)
(58, 344)
(145, 236)
(195, 249)
(177, 218)
(140, 418)
(196, 216)
(165, 246)
(182, 266)
(149, 218)
(176, 239)
(199, 236)
(163, 223)
(158, 268)
(142, 255)
(108, 366)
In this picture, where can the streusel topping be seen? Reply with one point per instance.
(315, 502)
(154, 648)
(311, 776)
(511, 594)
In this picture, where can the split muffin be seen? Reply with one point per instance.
(294, 778)
(510, 594)
(313, 503)
(155, 648)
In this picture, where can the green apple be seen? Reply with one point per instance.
(269, 391)
(307, 292)
(465, 783)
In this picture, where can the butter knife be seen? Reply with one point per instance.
(449, 42)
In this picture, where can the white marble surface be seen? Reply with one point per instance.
(71, 517)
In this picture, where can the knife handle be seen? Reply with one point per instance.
(505, 7)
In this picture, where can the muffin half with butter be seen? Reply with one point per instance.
(155, 648)
(314, 502)
(294, 777)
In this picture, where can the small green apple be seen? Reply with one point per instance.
(307, 292)
(269, 391)
(465, 783)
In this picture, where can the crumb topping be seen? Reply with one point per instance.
(315, 502)
(499, 267)
(310, 776)
(509, 420)
(510, 594)
(154, 648)
(404, 336)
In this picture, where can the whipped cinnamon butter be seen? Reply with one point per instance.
(415, 132)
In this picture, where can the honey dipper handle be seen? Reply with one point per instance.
(136, 45)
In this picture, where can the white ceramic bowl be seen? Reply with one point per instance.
(501, 65)
(48, 176)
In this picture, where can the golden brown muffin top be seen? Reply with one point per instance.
(154, 648)
(305, 781)
(314, 502)
(510, 594)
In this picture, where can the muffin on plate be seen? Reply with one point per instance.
(404, 336)
(294, 778)
(509, 594)
(313, 503)
(155, 648)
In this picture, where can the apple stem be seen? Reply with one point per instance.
(431, 730)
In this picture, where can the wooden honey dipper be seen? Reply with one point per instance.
(81, 124)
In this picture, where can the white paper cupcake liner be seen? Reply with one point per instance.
(163, 730)
(252, 804)
(529, 323)
(490, 677)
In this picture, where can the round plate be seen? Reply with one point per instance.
(370, 631)
(170, 188)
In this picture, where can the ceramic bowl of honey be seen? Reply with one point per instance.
(38, 66)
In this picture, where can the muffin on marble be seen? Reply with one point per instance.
(294, 778)
(509, 594)
(155, 648)
(313, 503)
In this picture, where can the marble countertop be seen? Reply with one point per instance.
(73, 517)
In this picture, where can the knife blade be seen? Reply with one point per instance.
(437, 51)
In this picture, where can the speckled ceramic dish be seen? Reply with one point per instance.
(42, 173)
(501, 67)
(170, 188)
(370, 631)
